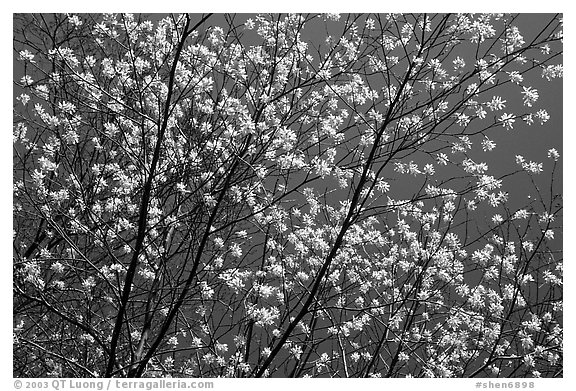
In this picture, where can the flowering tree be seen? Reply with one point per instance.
(300, 195)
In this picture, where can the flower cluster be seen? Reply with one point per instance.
(202, 196)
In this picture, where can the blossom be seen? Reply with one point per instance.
(221, 347)
(458, 63)
(173, 341)
(472, 88)
(66, 107)
(382, 185)
(550, 72)
(528, 245)
(462, 119)
(24, 98)
(407, 168)
(355, 357)
(507, 121)
(553, 154)
(331, 16)
(528, 360)
(462, 145)
(75, 20)
(89, 283)
(497, 103)
(480, 112)
(207, 291)
(530, 96)
(370, 24)
(181, 188)
(531, 167)
(71, 137)
(46, 164)
(26, 80)
(497, 219)
(296, 351)
(528, 118)
(264, 316)
(471, 205)
(428, 169)
(542, 116)
(249, 24)
(26, 55)
(57, 267)
(488, 145)
(515, 77)
(219, 242)
(513, 39)
(442, 159)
